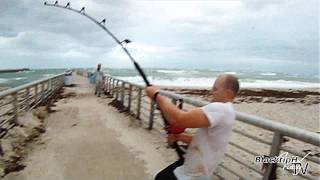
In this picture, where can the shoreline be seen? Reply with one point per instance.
(13, 70)
(298, 108)
(258, 95)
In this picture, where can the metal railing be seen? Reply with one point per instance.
(252, 135)
(15, 101)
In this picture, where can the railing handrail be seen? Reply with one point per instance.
(283, 129)
(24, 86)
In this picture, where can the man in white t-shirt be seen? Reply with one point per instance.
(207, 147)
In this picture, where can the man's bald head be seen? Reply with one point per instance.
(225, 88)
(231, 83)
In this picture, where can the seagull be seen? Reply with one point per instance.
(68, 5)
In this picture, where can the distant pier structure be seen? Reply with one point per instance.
(13, 70)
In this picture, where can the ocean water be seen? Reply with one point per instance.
(10, 80)
(204, 78)
(198, 78)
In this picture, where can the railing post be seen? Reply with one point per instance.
(129, 98)
(61, 81)
(113, 84)
(36, 94)
(107, 85)
(15, 106)
(270, 172)
(28, 99)
(54, 85)
(117, 89)
(122, 92)
(151, 116)
(49, 85)
(42, 92)
(139, 103)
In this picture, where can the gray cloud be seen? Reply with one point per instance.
(164, 33)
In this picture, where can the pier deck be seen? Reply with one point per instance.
(87, 139)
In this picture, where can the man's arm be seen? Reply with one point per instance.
(191, 119)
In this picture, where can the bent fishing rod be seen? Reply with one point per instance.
(169, 128)
(102, 25)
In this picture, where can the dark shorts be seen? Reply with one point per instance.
(167, 173)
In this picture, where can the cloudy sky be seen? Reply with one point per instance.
(271, 35)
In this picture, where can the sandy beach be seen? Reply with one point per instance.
(295, 107)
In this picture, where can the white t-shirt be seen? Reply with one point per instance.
(99, 76)
(208, 145)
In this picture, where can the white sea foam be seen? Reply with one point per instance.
(231, 72)
(47, 75)
(283, 84)
(2, 80)
(171, 71)
(268, 74)
(19, 78)
(208, 82)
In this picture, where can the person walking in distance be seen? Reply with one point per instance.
(99, 80)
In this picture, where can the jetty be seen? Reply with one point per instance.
(13, 70)
(76, 135)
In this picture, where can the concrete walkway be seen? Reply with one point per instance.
(87, 139)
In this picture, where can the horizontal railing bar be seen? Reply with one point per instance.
(7, 112)
(23, 101)
(232, 172)
(283, 129)
(301, 175)
(220, 177)
(244, 149)
(251, 137)
(310, 158)
(34, 83)
(242, 163)
(267, 124)
(7, 103)
(6, 121)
